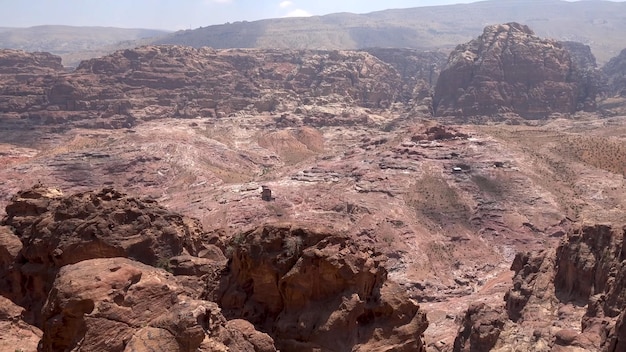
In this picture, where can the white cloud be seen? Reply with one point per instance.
(220, 1)
(285, 3)
(299, 13)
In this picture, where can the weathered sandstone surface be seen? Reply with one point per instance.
(91, 271)
(16, 333)
(172, 81)
(117, 304)
(510, 70)
(55, 231)
(319, 291)
(615, 70)
(378, 213)
(571, 298)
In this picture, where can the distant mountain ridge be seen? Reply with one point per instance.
(599, 24)
(72, 43)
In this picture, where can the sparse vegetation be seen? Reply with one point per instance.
(433, 198)
(164, 263)
(604, 153)
(293, 245)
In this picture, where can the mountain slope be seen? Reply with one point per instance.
(71, 43)
(599, 24)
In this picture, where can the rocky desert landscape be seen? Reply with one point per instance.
(171, 198)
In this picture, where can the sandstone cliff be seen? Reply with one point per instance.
(419, 71)
(317, 291)
(171, 81)
(615, 70)
(571, 298)
(510, 70)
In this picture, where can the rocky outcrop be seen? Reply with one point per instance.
(97, 224)
(117, 304)
(24, 78)
(569, 298)
(593, 81)
(510, 70)
(26, 63)
(316, 291)
(173, 81)
(17, 335)
(419, 71)
(615, 70)
(57, 230)
(481, 328)
(104, 271)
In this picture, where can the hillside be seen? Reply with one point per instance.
(599, 24)
(73, 44)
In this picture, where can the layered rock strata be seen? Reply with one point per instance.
(571, 298)
(101, 270)
(510, 70)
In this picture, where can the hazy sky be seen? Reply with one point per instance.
(181, 14)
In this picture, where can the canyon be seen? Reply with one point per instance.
(412, 208)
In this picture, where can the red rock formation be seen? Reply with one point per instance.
(116, 304)
(481, 328)
(17, 335)
(10, 276)
(58, 230)
(615, 70)
(508, 70)
(571, 298)
(308, 289)
(172, 81)
(21, 62)
(24, 78)
(593, 81)
(316, 291)
(419, 71)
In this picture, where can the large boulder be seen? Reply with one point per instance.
(17, 335)
(56, 230)
(312, 290)
(117, 304)
(481, 328)
(508, 69)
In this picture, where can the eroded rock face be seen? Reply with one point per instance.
(592, 79)
(79, 278)
(509, 70)
(419, 71)
(615, 70)
(154, 82)
(481, 328)
(24, 78)
(568, 299)
(16, 333)
(22, 62)
(117, 304)
(57, 230)
(317, 291)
